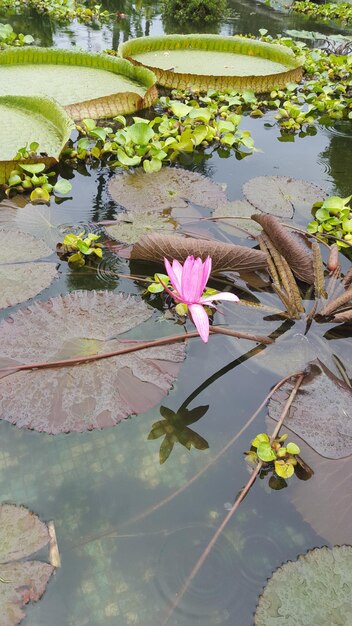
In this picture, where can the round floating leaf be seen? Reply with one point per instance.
(320, 413)
(226, 257)
(22, 278)
(35, 219)
(281, 195)
(170, 188)
(130, 227)
(315, 589)
(21, 534)
(86, 84)
(31, 119)
(94, 395)
(238, 228)
(213, 61)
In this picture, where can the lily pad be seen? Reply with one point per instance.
(320, 413)
(170, 188)
(241, 227)
(315, 589)
(226, 257)
(21, 277)
(97, 394)
(86, 84)
(129, 227)
(31, 119)
(282, 196)
(21, 534)
(214, 61)
(38, 220)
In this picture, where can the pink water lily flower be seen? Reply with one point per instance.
(189, 281)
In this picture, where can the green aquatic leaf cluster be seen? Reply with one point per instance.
(150, 143)
(30, 177)
(194, 11)
(333, 219)
(76, 250)
(282, 457)
(341, 11)
(59, 10)
(8, 37)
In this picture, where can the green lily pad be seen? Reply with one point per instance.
(31, 119)
(129, 227)
(170, 188)
(97, 394)
(213, 61)
(86, 84)
(315, 589)
(281, 196)
(21, 275)
(22, 581)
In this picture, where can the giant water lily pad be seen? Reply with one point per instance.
(82, 397)
(225, 257)
(21, 275)
(282, 196)
(22, 581)
(129, 227)
(31, 119)
(86, 84)
(214, 61)
(170, 188)
(315, 589)
(320, 413)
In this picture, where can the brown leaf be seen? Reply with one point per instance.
(226, 257)
(88, 396)
(298, 256)
(320, 413)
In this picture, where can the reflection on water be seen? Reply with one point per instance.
(129, 528)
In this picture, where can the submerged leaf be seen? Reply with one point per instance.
(37, 220)
(320, 413)
(21, 277)
(282, 196)
(93, 395)
(21, 534)
(169, 188)
(240, 227)
(315, 589)
(225, 256)
(295, 250)
(129, 227)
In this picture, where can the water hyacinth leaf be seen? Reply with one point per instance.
(293, 248)
(88, 85)
(282, 196)
(130, 227)
(225, 257)
(21, 534)
(34, 219)
(170, 188)
(97, 394)
(212, 61)
(315, 589)
(241, 227)
(320, 413)
(21, 277)
(28, 119)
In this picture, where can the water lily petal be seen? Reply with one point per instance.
(174, 273)
(200, 320)
(222, 295)
(192, 279)
(206, 272)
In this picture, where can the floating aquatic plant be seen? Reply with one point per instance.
(315, 589)
(22, 580)
(341, 11)
(78, 251)
(59, 10)
(333, 219)
(8, 37)
(274, 455)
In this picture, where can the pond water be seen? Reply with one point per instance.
(129, 529)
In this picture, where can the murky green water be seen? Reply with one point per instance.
(129, 529)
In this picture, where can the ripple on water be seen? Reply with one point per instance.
(219, 583)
